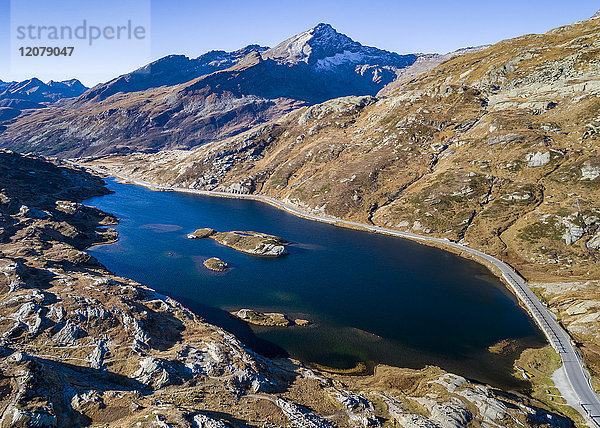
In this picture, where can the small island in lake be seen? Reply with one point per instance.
(254, 243)
(273, 319)
(215, 264)
(269, 319)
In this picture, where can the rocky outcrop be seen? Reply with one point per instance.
(215, 264)
(201, 233)
(270, 319)
(202, 421)
(299, 417)
(594, 242)
(537, 159)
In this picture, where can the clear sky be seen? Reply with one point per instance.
(192, 27)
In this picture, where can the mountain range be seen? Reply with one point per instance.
(178, 103)
(33, 93)
(168, 71)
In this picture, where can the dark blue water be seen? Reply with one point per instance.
(373, 298)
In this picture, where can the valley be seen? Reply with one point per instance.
(117, 310)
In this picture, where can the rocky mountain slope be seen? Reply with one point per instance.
(423, 64)
(80, 346)
(157, 108)
(497, 149)
(168, 71)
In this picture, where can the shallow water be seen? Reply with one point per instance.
(372, 298)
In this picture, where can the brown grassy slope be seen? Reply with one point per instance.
(179, 116)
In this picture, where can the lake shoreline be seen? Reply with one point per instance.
(557, 337)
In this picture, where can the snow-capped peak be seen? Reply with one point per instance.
(326, 49)
(317, 43)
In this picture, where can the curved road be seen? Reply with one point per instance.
(560, 340)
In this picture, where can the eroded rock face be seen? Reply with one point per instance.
(537, 159)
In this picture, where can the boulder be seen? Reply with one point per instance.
(203, 421)
(594, 242)
(201, 233)
(537, 159)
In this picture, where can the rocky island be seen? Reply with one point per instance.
(201, 233)
(269, 319)
(215, 264)
(272, 319)
(254, 243)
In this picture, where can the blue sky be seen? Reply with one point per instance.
(193, 27)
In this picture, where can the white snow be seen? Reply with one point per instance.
(338, 59)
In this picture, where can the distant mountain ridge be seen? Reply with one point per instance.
(325, 48)
(4, 85)
(320, 50)
(33, 93)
